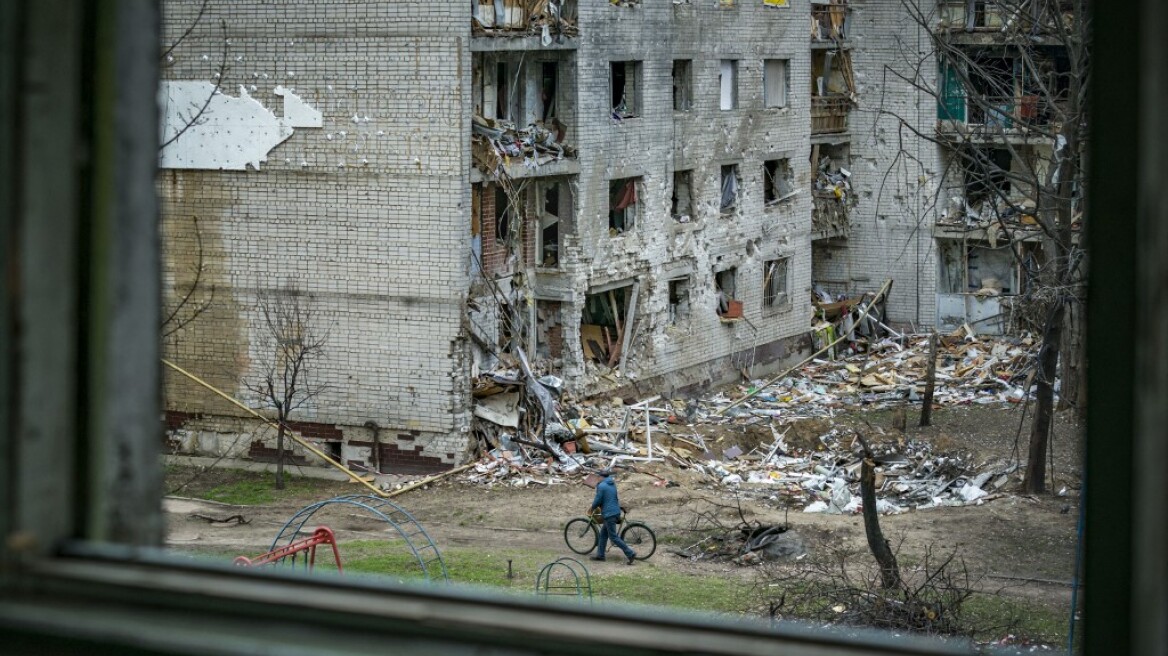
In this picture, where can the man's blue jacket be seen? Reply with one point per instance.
(606, 498)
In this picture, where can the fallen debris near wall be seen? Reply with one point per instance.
(816, 474)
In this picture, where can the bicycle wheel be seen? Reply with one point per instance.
(640, 539)
(581, 535)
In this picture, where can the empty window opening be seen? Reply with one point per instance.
(626, 89)
(503, 215)
(682, 85)
(728, 83)
(502, 99)
(831, 73)
(725, 288)
(622, 209)
(987, 175)
(775, 83)
(970, 267)
(729, 188)
(678, 300)
(681, 205)
(548, 83)
(333, 449)
(554, 219)
(775, 282)
(778, 180)
(603, 323)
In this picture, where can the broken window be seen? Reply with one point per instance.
(554, 219)
(994, 82)
(678, 300)
(548, 83)
(775, 83)
(728, 83)
(503, 215)
(778, 180)
(626, 89)
(603, 323)
(729, 188)
(622, 208)
(971, 267)
(682, 85)
(831, 73)
(774, 282)
(726, 288)
(502, 98)
(681, 205)
(987, 174)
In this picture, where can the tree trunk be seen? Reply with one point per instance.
(280, 456)
(1073, 393)
(930, 383)
(1035, 480)
(889, 570)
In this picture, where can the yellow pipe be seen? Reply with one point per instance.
(320, 454)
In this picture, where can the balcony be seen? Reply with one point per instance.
(830, 23)
(829, 114)
(984, 22)
(995, 117)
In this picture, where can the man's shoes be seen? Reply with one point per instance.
(631, 559)
(599, 558)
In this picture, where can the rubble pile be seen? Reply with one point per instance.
(495, 143)
(970, 370)
(820, 474)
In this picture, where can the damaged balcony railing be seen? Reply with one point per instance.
(496, 143)
(830, 22)
(549, 19)
(999, 114)
(829, 114)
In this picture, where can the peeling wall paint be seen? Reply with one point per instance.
(203, 128)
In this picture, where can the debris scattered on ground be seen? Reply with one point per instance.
(816, 469)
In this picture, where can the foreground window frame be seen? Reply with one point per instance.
(82, 289)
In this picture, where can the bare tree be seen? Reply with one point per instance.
(1012, 82)
(295, 345)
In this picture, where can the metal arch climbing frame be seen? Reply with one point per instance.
(419, 542)
(543, 582)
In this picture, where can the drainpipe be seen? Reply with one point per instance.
(372, 425)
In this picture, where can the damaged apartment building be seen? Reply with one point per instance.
(1004, 76)
(634, 196)
(619, 189)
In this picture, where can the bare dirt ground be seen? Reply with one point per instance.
(1025, 544)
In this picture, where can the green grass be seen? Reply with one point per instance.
(260, 491)
(642, 583)
(1023, 618)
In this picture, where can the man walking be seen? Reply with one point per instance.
(606, 500)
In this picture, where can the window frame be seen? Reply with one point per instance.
(786, 84)
(88, 481)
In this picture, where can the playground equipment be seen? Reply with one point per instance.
(546, 587)
(322, 535)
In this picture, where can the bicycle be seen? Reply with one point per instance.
(582, 534)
